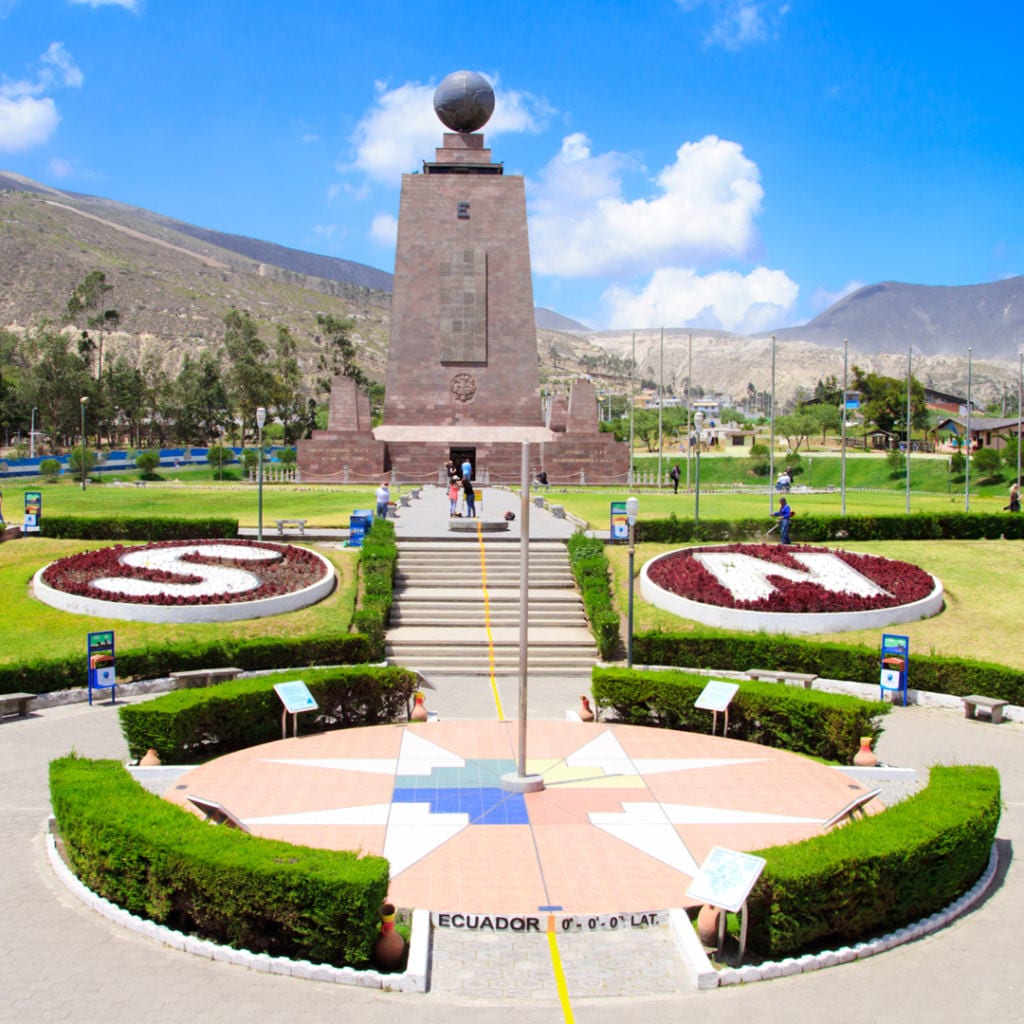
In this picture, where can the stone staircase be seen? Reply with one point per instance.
(444, 620)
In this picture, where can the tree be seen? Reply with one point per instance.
(988, 463)
(198, 401)
(289, 401)
(147, 462)
(88, 300)
(55, 383)
(76, 456)
(884, 401)
(249, 378)
(218, 456)
(796, 428)
(338, 358)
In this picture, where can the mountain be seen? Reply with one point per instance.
(549, 320)
(935, 320)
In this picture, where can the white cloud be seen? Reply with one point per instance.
(702, 208)
(823, 298)
(401, 129)
(28, 117)
(61, 168)
(384, 229)
(26, 122)
(722, 299)
(739, 23)
(129, 5)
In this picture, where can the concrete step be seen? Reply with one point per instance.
(477, 634)
(445, 594)
(451, 663)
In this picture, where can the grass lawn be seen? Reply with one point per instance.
(31, 630)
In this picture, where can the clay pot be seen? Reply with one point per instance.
(389, 949)
(586, 712)
(865, 757)
(419, 712)
(707, 925)
(150, 759)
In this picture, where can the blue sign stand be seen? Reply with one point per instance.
(100, 648)
(619, 523)
(296, 698)
(895, 659)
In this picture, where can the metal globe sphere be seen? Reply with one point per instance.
(464, 101)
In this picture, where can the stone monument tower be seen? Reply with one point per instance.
(462, 375)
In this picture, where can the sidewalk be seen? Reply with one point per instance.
(64, 963)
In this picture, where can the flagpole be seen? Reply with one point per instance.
(909, 350)
(842, 452)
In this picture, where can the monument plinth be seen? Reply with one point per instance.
(463, 377)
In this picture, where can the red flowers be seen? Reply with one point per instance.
(289, 569)
(682, 574)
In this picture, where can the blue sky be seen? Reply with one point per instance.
(705, 163)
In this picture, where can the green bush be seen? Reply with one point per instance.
(193, 725)
(377, 563)
(719, 649)
(880, 872)
(50, 470)
(590, 569)
(152, 528)
(147, 462)
(162, 863)
(825, 725)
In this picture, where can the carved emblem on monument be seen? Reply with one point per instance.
(463, 387)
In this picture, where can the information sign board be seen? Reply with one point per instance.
(716, 695)
(619, 529)
(295, 696)
(726, 878)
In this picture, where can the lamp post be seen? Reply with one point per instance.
(261, 418)
(698, 422)
(632, 509)
(32, 437)
(83, 401)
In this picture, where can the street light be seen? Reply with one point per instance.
(261, 418)
(698, 422)
(32, 437)
(84, 401)
(632, 509)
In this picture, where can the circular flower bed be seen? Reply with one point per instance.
(196, 581)
(784, 588)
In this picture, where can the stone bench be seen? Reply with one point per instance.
(558, 511)
(282, 523)
(538, 501)
(993, 706)
(405, 500)
(196, 677)
(806, 679)
(16, 703)
(415, 492)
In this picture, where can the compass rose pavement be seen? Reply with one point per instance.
(626, 816)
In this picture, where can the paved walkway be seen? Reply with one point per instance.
(64, 963)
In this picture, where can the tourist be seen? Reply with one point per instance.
(542, 478)
(1015, 499)
(453, 496)
(383, 498)
(674, 477)
(467, 469)
(784, 482)
(784, 514)
(470, 495)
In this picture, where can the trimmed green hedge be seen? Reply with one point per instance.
(808, 529)
(720, 649)
(590, 569)
(162, 863)
(189, 726)
(825, 725)
(251, 655)
(151, 528)
(377, 563)
(877, 873)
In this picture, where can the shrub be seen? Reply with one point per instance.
(160, 862)
(147, 462)
(988, 462)
(590, 569)
(217, 457)
(50, 470)
(152, 528)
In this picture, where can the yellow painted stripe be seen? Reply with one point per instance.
(556, 964)
(487, 620)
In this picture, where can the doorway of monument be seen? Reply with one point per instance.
(459, 456)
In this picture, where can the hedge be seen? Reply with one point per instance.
(590, 570)
(188, 726)
(377, 563)
(160, 862)
(878, 873)
(825, 725)
(151, 528)
(825, 528)
(720, 649)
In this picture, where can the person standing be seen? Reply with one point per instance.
(784, 514)
(383, 498)
(1014, 505)
(467, 469)
(674, 477)
(453, 495)
(470, 495)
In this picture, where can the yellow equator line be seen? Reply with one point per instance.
(556, 964)
(487, 619)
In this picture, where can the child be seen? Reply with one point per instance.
(453, 495)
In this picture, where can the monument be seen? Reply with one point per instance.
(463, 378)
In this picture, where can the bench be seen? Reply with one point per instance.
(16, 703)
(282, 523)
(405, 501)
(558, 511)
(776, 676)
(994, 707)
(415, 492)
(196, 677)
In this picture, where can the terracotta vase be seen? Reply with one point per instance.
(419, 712)
(586, 712)
(389, 949)
(707, 925)
(865, 757)
(150, 759)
